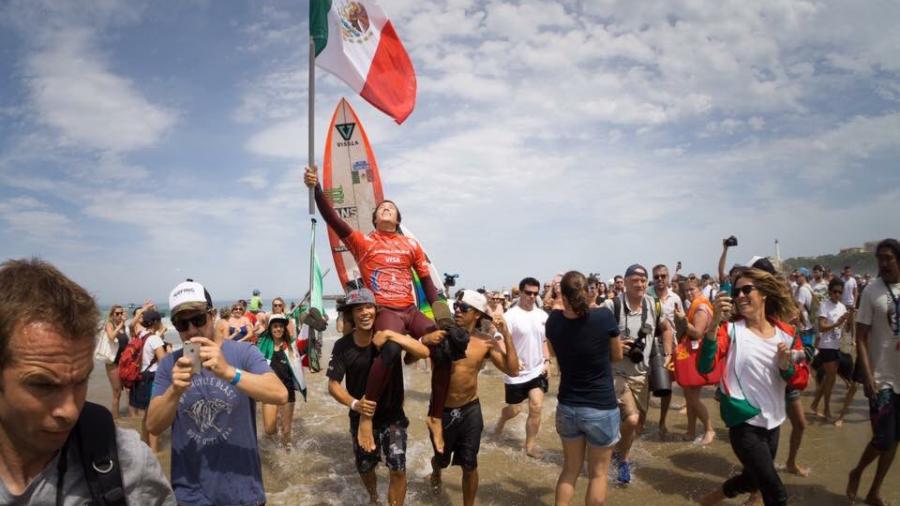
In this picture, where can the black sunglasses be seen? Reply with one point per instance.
(463, 307)
(528, 292)
(660, 276)
(183, 324)
(746, 289)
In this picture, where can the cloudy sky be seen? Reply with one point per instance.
(145, 142)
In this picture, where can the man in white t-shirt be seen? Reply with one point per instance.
(669, 302)
(526, 324)
(878, 356)
(851, 291)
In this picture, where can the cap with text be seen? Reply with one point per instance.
(189, 295)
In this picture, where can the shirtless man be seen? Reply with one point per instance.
(386, 259)
(462, 419)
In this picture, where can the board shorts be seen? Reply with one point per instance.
(600, 427)
(884, 414)
(518, 392)
(390, 440)
(462, 436)
(632, 393)
(408, 320)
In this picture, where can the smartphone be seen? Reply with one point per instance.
(192, 351)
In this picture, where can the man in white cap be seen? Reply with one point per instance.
(206, 393)
(462, 420)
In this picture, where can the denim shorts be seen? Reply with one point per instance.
(600, 427)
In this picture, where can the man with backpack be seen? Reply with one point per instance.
(207, 392)
(638, 317)
(55, 448)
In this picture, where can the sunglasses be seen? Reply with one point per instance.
(118, 313)
(660, 276)
(277, 305)
(462, 307)
(530, 293)
(746, 289)
(182, 324)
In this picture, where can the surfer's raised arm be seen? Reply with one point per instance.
(340, 227)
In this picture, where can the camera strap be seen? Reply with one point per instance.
(619, 305)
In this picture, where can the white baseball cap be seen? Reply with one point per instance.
(189, 295)
(475, 299)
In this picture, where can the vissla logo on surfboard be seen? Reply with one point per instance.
(354, 22)
(346, 130)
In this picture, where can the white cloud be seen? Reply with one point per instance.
(74, 92)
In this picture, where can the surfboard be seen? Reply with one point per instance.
(351, 182)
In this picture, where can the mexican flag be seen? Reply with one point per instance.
(356, 41)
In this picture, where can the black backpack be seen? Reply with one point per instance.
(94, 436)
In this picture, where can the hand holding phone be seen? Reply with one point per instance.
(192, 351)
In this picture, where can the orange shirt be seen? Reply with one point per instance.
(385, 261)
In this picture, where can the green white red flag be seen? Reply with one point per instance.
(355, 41)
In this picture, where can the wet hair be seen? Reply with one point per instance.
(890, 244)
(835, 283)
(779, 301)
(375, 212)
(35, 291)
(574, 289)
(529, 281)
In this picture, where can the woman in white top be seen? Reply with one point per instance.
(833, 315)
(757, 367)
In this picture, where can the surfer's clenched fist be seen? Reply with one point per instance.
(311, 176)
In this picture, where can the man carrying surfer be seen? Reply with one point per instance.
(386, 260)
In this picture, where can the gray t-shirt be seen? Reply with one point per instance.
(629, 325)
(142, 478)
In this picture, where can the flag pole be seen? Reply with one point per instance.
(311, 147)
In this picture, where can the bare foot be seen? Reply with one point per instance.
(755, 499)
(434, 482)
(712, 499)
(663, 433)
(839, 423)
(535, 452)
(689, 437)
(364, 435)
(797, 469)
(435, 426)
(874, 500)
(853, 484)
(707, 438)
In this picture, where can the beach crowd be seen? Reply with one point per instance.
(616, 348)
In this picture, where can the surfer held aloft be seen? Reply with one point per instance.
(386, 259)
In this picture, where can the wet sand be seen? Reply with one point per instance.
(320, 470)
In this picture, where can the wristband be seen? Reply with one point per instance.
(353, 404)
(237, 376)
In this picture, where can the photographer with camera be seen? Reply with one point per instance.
(638, 317)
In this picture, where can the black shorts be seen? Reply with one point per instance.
(462, 436)
(390, 439)
(139, 396)
(884, 413)
(519, 392)
(825, 356)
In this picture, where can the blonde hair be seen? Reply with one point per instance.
(779, 302)
(112, 310)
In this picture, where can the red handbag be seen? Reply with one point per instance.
(800, 380)
(686, 357)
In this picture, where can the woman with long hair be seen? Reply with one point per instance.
(114, 330)
(585, 342)
(275, 346)
(757, 349)
(240, 328)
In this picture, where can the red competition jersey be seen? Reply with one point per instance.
(385, 261)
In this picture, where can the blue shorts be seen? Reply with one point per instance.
(600, 427)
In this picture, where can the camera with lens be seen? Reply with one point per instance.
(636, 352)
(450, 279)
(731, 242)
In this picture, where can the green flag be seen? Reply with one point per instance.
(315, 296)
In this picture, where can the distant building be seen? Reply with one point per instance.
(869, 247)
(855, 249)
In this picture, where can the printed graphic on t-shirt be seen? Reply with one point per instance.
(209, 412)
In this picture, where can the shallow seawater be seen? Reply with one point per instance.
(319, 468)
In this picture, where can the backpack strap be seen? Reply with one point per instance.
(95, 437)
